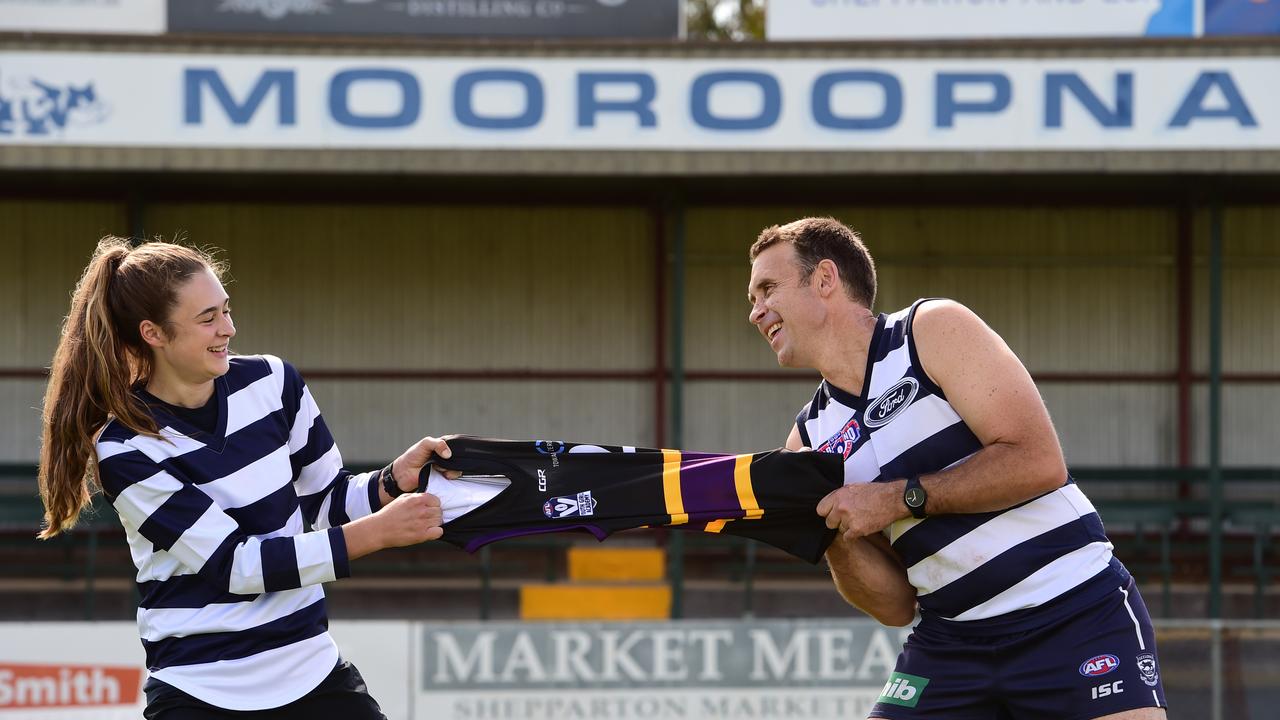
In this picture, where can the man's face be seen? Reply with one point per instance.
(784, 309)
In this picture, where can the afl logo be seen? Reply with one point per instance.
(891, 402)
(1099, 665)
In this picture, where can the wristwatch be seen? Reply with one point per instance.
(914, 497)
(389, 484)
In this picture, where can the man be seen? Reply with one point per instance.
(957, 499)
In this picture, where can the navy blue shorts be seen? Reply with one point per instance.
(1094, 663)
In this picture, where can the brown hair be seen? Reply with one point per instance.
(100, 355)
(817, 239)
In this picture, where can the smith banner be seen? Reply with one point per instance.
(655, 19)
(408, 103)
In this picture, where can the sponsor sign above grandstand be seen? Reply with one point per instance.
(978, 19)
(136, 17)
(278, 101)
(656, 19)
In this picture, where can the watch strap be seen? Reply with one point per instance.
(388, 480)
(912, 491)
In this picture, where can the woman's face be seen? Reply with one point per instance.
(199, 330)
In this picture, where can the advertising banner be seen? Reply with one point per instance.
(655, 19)
(71, 671)
(816, 670)
(170, 100)
(931, 19)
(134, 17)
(805, 670)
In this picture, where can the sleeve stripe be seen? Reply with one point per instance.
(358, 496)
(137, 501)
(246, 568)
(314, 561)
(742, 483)
(303, 421)
(338, 543)
(279, 564)
(338, 503)
(316, 476)
(178, 514)
(671, 487)
(375, 499)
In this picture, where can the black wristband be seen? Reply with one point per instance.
(389, 485)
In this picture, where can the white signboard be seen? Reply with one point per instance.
(807, 670)
(140, 17)
(168, 100)
(931, 19)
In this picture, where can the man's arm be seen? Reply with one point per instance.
(867, 573)
(994, 394)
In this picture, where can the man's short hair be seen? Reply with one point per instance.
(816, 239)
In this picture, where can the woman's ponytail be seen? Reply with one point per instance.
(100, 356)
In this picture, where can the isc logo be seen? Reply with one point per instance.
(1099, 665)
(1105, 689)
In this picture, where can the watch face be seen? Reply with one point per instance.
(914, 498)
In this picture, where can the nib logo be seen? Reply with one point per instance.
(53, 686)
(903, 689)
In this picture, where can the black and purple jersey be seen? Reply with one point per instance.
(559, 486)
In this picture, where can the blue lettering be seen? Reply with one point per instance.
(239, 113)
(466, 114)
(888, 117)
(588, 105)
(947, 106)
(699, 101)
(1192, 106)
(1056, 84)
(339, 100)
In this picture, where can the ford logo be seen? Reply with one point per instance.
(891, 402)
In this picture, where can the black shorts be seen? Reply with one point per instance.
(342, 694)
(1097, 662)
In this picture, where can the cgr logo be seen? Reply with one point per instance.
(891, 402)
(54, 686)
(1099, 665)
(903, 689)
(542, 480)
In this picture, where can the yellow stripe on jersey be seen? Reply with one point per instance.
(671, 487)
(714, 526)
(742, 482)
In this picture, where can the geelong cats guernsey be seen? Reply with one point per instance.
(558, 486)
(995, 568)
(233, 533)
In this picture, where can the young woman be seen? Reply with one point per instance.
(229, 486)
